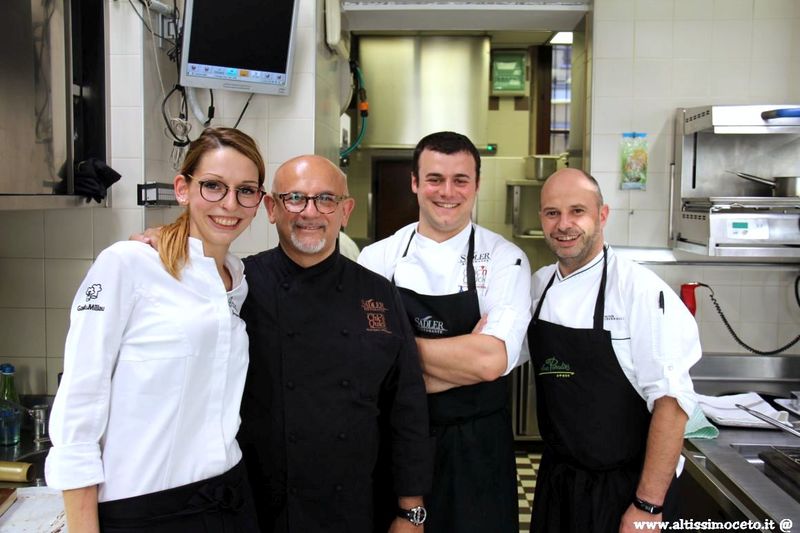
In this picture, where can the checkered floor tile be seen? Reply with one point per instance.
(527, 465)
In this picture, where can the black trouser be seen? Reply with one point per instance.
(222, 504)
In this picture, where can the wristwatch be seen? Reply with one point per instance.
(647, 507)
(415, 515)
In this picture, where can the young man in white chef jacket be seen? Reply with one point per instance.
(466, 293)
(611, 346)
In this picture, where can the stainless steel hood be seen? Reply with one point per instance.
(421, 84)
(750, 119)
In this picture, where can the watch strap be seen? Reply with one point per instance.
(646, 506)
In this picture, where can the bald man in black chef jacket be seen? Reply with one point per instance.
(332, 358)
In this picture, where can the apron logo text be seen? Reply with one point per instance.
(428, 325)
(90, 307)
(554, 367)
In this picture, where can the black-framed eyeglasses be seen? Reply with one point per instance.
(296, 202)
(215, 190)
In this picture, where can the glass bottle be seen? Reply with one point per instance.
(10, 412)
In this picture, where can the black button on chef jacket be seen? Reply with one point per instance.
(332, 359)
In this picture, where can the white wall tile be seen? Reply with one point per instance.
(762, 336)
(691, 39)
(605, 153)
(780, 9)
(786, 334)
(306, 14)
(31, 374)
(733, 9)
(761, 304)
(729, 79)
(299, 104)
(22, 331)
(288, 138)
(614, 39)
(614, 10)
(653, 39)
(62, 279)
(126, 132)
(691, 78)
(22, 234)
(305, 53)
(731, 39)
(613, 77)
(126, 80)
(56, 326)
(68, 233)
(231, 104)
(652, 78)
(123, 192)
(694, 9)
(612, 115)
(769, 81)
(655, 197)
(22, 283)
(125, 30)
(616, 230)
(648, 227)
(772, 38)
(652, 115)
(714, 338)
(112, 225)
(654, 9)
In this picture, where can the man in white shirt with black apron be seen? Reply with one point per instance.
(611, 347)
(466, 294)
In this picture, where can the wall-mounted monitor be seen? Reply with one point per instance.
(239, 45)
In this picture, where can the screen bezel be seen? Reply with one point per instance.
(279, 89)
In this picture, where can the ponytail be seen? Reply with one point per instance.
(173, 245)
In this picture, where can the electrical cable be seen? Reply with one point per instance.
(147, 26)
(247, 103)
(363, 110)
(736, 337)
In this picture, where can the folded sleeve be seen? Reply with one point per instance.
(665, 344)
(98, 317)
(507, 303)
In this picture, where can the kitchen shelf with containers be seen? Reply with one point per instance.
(523, 208)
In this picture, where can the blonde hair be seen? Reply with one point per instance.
(173, 245)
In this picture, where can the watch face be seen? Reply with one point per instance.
(415, 515)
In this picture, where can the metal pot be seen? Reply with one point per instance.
(782, 186)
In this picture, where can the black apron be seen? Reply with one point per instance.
(221, 504)
(593, 422)
(474, 480)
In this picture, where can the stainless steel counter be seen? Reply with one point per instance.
(728, 469)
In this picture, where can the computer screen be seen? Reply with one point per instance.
(240, 45)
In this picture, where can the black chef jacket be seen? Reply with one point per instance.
(332, 357)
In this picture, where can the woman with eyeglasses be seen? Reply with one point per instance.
(145, 419)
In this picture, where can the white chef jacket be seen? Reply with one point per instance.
(655, 345)
(154, 370)
(502, 276)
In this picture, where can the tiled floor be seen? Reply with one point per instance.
(527, 465)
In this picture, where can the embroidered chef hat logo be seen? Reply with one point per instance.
(93, 291)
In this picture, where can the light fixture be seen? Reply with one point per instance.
(562, 37)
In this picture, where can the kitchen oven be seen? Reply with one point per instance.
(717, 209)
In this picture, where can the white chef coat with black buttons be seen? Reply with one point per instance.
(154, 370)
(502, 276)
(656, 344)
